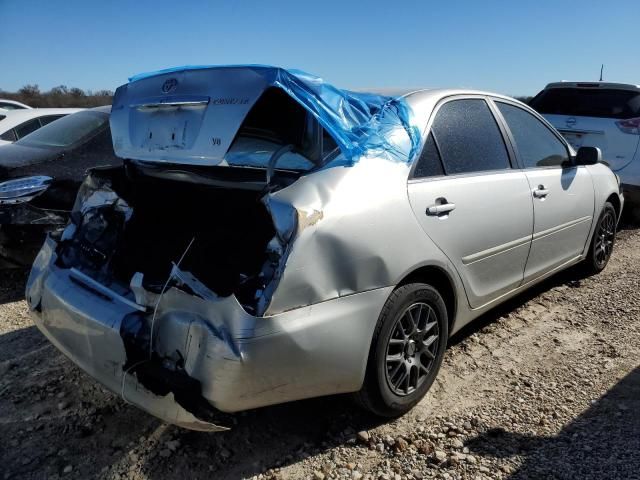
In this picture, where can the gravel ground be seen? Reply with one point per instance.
(547, 386)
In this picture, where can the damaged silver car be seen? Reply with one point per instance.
(273, 238)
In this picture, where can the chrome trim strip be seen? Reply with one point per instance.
(493, 251)
(564, 226)
(91, 283)
(528, 284)
(175, 104)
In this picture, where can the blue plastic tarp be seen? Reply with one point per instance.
(361, 123)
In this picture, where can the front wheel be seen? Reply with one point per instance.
(407, 350)
(604, 238)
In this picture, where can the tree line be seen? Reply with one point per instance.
(63, 97)
(59, 97)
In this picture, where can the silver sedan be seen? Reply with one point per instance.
(272, 238)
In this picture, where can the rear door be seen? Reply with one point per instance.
(562, 193)
(594, 116)
(470, 201)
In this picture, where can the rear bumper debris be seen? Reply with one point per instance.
(178, 354)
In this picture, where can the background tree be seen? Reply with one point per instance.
(60, 97)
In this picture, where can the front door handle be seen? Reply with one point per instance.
(541, 191)
(441, 208)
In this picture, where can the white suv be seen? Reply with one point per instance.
(599, 114)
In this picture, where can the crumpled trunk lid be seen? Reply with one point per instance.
(191, 115)
(183, 117)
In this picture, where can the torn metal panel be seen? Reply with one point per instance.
(352, 233)
(90, 336)
(238, 361)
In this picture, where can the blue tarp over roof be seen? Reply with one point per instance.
(361, 123)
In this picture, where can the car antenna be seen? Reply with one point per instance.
(601, 69)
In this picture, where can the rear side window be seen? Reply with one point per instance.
(8, 136)
(536, 144)
(429, 163)
(468, 138)
(588, 102)
(26, 128)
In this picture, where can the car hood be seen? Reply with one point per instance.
(14, 158)
(190, 115)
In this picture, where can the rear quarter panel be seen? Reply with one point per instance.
(355, 232)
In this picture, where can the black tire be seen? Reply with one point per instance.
(419, 354)
(603, 241)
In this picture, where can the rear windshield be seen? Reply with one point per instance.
(588, 102)
(277, 120)
(67, 131)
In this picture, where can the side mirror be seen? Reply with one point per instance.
(588, 156)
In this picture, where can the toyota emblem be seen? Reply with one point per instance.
(169, 85)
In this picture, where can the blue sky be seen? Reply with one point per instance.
(509, 47)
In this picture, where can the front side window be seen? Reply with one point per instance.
(468, 138)
(67, 130)
(536, 144)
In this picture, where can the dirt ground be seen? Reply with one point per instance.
(547, 386)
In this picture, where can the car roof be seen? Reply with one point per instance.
(611, 85)
(103, 108)
(423, 101)
(16, 117)
(14, 102)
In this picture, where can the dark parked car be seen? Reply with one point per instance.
(39, 178)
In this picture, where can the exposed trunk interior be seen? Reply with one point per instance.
(230, 229)
(219, 207)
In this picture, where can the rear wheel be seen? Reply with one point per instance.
(604, 238)
(407, 350)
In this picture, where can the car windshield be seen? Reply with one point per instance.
(588, 102)
(67, 130)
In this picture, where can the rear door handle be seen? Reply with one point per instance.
(541, 191)
(441, 207)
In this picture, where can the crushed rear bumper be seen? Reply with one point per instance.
(202, 350)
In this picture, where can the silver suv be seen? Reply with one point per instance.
(272, 238)
(599, 114)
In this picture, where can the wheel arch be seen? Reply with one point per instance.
(615, 201)
(439, 279)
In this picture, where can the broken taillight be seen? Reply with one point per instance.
(630, 125)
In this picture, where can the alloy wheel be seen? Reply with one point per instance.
(411, 348)
(605, 236)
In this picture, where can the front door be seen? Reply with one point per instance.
(562, 193)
